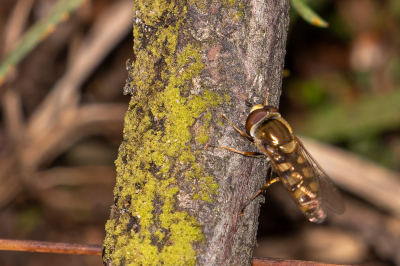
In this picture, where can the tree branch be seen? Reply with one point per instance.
(176, 201)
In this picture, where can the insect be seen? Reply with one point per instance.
(306, 182)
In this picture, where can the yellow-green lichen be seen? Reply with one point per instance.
(144, 228)
(202, 135)
(207, 188)
(200, 4)
(227, 98)
(204, 184)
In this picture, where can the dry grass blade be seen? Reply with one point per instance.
(105, 34)
(58, 123)
(68, 176)
(308, 14)
(10, 184)
(12, 109)
(16, 23)
(71, 126)
(36, 34)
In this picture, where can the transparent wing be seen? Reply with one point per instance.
(329, 193)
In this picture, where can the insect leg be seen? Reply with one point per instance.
(273, 178)
(261, 190)
(244, 135)
(245, 153)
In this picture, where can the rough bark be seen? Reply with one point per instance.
(178, 202)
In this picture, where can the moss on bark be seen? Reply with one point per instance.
(144, 227)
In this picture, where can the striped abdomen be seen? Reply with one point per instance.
(275, 138)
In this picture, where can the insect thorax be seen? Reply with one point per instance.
(274, 132)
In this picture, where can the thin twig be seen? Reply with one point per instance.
(283, 262)
(96, 250)
(50, 247)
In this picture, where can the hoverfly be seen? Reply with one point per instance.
(306, 182)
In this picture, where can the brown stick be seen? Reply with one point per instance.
(50, 247)
(282, 262)
(96, 250)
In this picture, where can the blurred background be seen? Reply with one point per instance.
(62, 110)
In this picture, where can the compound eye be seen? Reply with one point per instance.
(271, 109)
(254, 117)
